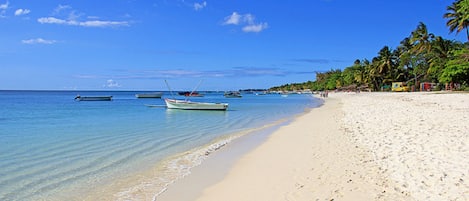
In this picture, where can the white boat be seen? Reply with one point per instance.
(189, 105)
(93, 98)
(150, 95)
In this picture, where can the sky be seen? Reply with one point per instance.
(225, 45)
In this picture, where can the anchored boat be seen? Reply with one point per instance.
(150, 95)
(93, 98)
(189, 105)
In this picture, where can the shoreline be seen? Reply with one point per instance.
(170, 170)
(333, 152)
(152, 183)
(216, 166)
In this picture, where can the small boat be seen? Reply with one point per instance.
(188, 93)
(232, 94)
(189, 105)
(93, 98)
(150, 95)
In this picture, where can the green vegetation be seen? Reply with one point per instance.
(420, 57)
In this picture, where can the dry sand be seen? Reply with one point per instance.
(421, 140)
(367, 146)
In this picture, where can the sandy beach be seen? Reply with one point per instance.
(365, 146)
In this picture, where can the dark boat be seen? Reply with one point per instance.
(232, 94)
(188, 93)
(93, 98)
(150, 95)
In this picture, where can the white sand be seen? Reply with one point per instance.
(367, 146)
(421, 140)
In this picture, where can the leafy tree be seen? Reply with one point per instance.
(439, 56)
(385, 62)
(458, 16)
(457, 68)
(421, 41)
(406, 60)
(350, 74)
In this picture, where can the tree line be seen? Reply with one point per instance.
(420, 57)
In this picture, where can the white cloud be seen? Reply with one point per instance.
(38, 41)
(3, 9)
(199, 6)
(248, 18)
(234, 18)
(112, 84)
(61, 8)
(255, 27)
(99, 23)
(20, 11)
(4, 6)
(71, 17)
(247, 21)
(92, 23)
(52, 20)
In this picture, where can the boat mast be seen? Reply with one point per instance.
(170, 91)
(200, 82)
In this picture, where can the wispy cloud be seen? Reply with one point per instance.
(21, 11)
(245, 20)
(317, 61)
(90, 23)
(60, 8)
(200, 6)
(111, 84)
(73, 17)
(38, 41)
(234, 18)
(255, 27)
(4, 6)
(235, 72)
(3, 9)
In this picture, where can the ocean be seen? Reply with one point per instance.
(55, 148)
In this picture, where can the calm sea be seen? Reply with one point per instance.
(54, 148)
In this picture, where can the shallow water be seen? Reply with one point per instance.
(51, 144)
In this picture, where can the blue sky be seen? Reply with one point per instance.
(229, 44)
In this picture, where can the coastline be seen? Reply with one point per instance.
(119, 150)
(343, 150)
(175, 168)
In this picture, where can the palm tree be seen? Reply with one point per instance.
(421, 39)
(405, 60)
(385, 65)
(439, 56)
(421, 42)
(458, 16)
(386, 61)
(359, 73)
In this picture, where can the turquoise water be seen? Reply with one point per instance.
(51, 144)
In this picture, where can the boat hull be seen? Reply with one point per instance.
(189, 105)
(233, 95)
(93, 98)
(149, 95)
(188, 93)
